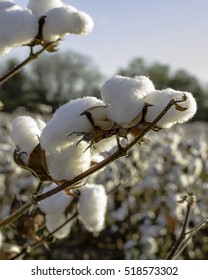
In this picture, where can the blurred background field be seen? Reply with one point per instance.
(145, 205)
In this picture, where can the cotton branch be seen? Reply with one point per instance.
(29, 59)
(121, 151)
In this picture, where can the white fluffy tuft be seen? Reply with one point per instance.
(26, 132)
(124, 96)
(65, 122)
(13, 21)
(52, 222)
(56, 203)
(92, 207)
(40, 7)
(69, 162)
(66, 20)
(160, 99)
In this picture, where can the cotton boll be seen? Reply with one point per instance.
(25, 134)
(56, 203)
(124, 96)
(65, 20)
(180, 113)
(56, 220)
(61, 130)
(69, 162)
(40, 7)
(92, 207)
(13, 21)
(6, 4)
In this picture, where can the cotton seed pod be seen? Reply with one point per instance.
(65, 20)
(182, 111)
(92, 207)
(25, 134)
(97, 116)
(61, 131)
(13, 20)
(124, 97)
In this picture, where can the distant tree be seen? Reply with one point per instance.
(16, 92)
(163, 77)
(71, 75)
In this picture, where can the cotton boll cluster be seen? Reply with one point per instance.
(17, 26)
(20, 26)
(54, 207)
(124, 96)
(60, 19)
(25, 134)
(92, 207)
(181, 112)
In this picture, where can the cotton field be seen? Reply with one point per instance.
(146, 202)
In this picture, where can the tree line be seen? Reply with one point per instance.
(73, 75)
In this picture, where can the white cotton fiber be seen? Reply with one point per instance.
(25, 133)
(92, 207)
(69, 162)
(179, 113)
(17, 26)
(66, 20)
(52, 222)
(65, 121)
(1, 240)
(56, 203)
(124, 96)
(40, 7)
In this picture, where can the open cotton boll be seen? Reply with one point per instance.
(54, 221)
(92, 207)
(40, 7)
(124, 96)
(25, 134)
(6, 4)
(65, 20)
(65, 121)
(56, 203)
(17, 26)
(179, 113)
(68, 162)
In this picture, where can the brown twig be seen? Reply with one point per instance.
(182, 237)
(121, 151)
(29, 59)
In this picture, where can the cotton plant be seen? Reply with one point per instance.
(43, 22)
(13, 21)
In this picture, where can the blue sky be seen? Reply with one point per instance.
(172, 32)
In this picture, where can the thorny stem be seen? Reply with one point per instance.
(30, 58)
(174, 252)
(121, 151)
